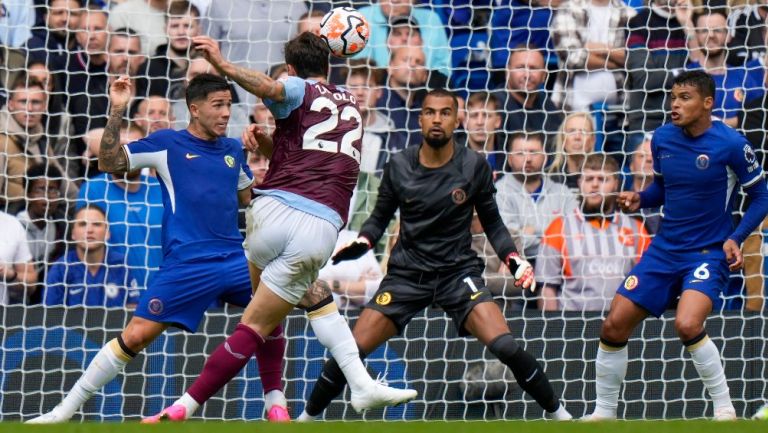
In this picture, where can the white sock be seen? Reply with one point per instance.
(334, 333)
(275, 397)
(611, 366)
(188, 402)
(107, 364)
(706, 359)
(561, 414)
(305, 417)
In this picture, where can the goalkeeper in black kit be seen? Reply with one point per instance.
(437, 186)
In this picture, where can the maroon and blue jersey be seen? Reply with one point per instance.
(316, 149)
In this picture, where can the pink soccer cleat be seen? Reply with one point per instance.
(174, 413)
(278, 413)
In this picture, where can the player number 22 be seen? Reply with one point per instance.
(311, 142)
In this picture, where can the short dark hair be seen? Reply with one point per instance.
(50, 3)
(203, 85)
(39, 172)
(365, 68)
(308, 54)
(23, 81)
(90, 206)
(704, 11)
(443, 93)
(525, 135)
(182, 7)
(482, 98)
(699, 79)
(602, 162)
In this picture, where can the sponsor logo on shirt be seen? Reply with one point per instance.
(191, 156)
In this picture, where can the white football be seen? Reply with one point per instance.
(345, 30)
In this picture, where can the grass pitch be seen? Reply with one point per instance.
(698, 426)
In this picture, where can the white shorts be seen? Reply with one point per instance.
(288, 245)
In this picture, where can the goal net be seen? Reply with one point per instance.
(542, 86)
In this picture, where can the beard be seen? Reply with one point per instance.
(437, 142)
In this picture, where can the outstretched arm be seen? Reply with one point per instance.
(112, 157)
(258, 83)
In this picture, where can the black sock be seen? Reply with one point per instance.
(329, 385)
(528, 372)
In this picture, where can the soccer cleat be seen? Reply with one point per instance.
(761, 414)
(53, 417)
(725, 414)
(380, 395)
(278, 413)
(593, 417)
(174, 413)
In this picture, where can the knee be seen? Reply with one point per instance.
(504, 347)
(688, 328)
(136, 339)
(615, 331)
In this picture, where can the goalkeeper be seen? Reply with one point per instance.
(437, 186)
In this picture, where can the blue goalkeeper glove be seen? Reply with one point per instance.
(352, 251)
(522, 271)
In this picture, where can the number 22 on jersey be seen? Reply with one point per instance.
(311, 140)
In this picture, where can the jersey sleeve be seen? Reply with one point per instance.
(245, 178)
(147, 152)
(294, 95)
(655, 156)
(743, 161)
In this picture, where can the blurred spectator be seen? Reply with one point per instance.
(86, 73)
(590, 40)
(380, 137)
(264, 118)
(310, 22)
(146, 17)
(16, 20)
(238, 117)
(134, 207)
(90, 274)
(259, 164)
(167, 67)
(747, 25)
(383, 15)
(575, 140)
(528, 200)
(53, 43)
(656, 51)
(468, 34)
(495, 273)
(586, 253)
(92, 140)
(22, 138)
(482, 126)
(44, 216)
(17, 271)
(154, 113)
(641, 170)
(353, 282)
(252, 32)
(520, 22)
(527, 105)
(408, 82)
(733, 84)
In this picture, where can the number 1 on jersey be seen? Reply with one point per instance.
(310, 140)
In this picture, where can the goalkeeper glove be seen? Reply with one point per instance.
(522, 271)
(353, 250)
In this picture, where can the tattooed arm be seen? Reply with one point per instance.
(255, 82)
(112, 157)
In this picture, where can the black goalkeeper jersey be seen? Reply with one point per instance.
(436, 207)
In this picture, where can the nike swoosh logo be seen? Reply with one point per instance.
(229, 349)
(76, 291)
(475, 295)
(191, 156)
(534, 374)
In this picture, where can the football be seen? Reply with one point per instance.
(345, 30)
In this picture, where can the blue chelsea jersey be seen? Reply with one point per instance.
(199, 181)
(700, 176)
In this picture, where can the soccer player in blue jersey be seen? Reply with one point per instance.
(204, 176)
(696, 164)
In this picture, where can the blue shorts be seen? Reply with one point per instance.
(660, 277)
(180, 292)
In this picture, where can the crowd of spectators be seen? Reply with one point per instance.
(561, 96)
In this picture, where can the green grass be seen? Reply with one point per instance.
(699, 426)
